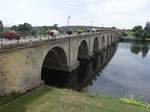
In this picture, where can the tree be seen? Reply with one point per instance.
(124, 33)
(146, 33)
(1, 26)
(138, 31)
(137, 28)
(14, 27)
(25, 28)
(1, 30)
(34, 32)
(55, 26)
(21, 28)
(147, 27)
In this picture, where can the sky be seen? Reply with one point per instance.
(107, 13)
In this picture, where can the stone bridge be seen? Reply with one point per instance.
(23, 67)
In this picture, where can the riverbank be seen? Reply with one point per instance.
(48, 99)
(132, 39)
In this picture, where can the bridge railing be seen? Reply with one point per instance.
(40, 38)
(31, 39)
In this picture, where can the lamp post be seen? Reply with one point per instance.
(68, 20)
(91, 25)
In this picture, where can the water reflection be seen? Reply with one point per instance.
(89, 70)
(137, 47)
(127, 73)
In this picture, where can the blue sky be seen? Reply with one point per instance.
(119, 13)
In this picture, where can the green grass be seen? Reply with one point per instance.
(135, 101)
(48, 99)
(6, 99)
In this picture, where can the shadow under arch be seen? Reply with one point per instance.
(95, 53)
(111, 39)
(83, 63)
(103, 41)
(54, 68)
(95, 46)
(108, 40)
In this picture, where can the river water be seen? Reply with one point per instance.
(128, 73)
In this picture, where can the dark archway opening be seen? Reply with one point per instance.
(103, 42)
(111, 39)
(83, 62)
(95, 52)
(108, 40)
(54, 68)
(95, 46)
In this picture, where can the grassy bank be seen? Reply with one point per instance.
(6, 99)
(47, 99)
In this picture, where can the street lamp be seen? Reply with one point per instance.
(91, 25)
(68, 20)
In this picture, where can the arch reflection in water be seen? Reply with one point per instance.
(81, 77)
(94, 65)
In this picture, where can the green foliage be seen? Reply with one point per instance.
(33, 32)
(147, 27)
(80, 30)
(44, 30)
(55, 27)
(133, 101)
(124, 34)
(14, 27)
(1, 26)
(129, 33)
(26, 27)
(141, 33)
(146, 34)
(138, 31)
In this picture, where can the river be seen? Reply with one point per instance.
(128, 73)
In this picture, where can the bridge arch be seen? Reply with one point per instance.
(83, 50)
(111, 39)
(103, 42)
(95, 45)
(54, 68)
(95, 53)
(108, 40)
(82, 58)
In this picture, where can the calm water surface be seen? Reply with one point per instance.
(128, 73)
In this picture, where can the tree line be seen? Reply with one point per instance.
(27, 29)
(139, 32)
